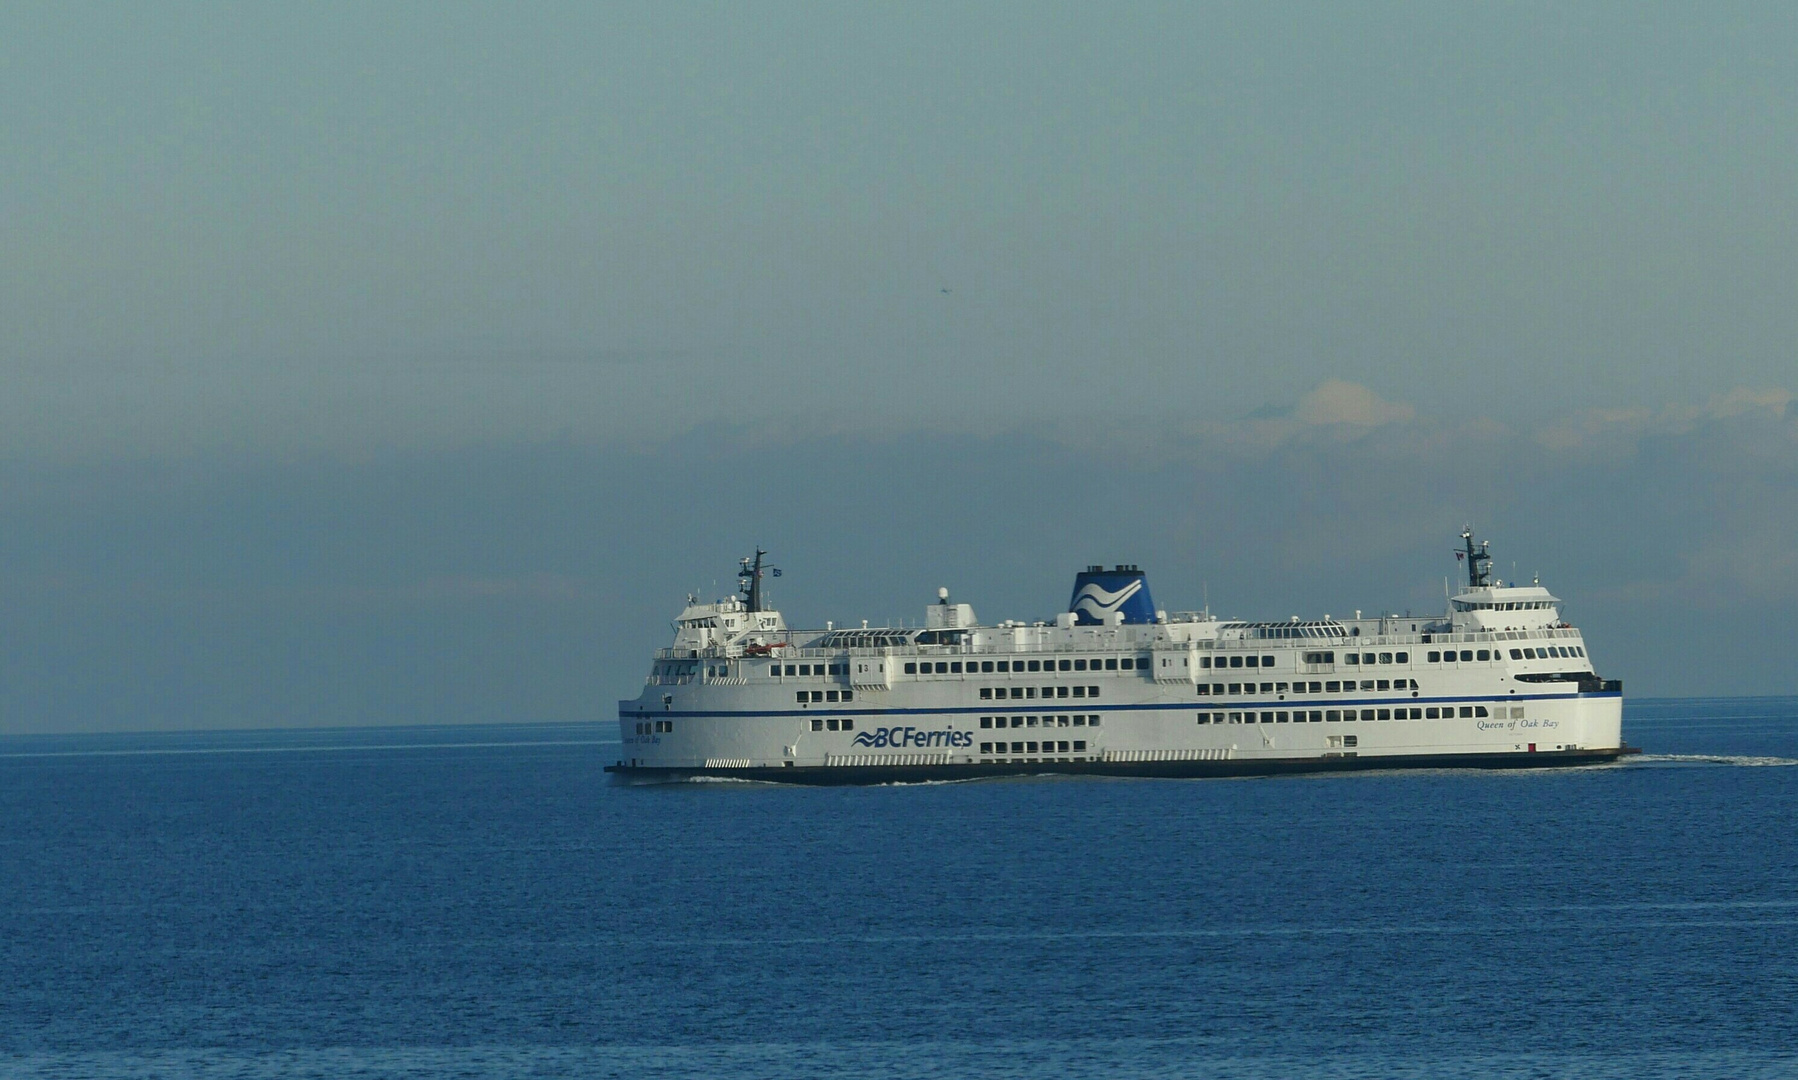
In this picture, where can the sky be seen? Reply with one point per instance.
(397, 363)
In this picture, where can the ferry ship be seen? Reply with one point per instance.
(1115, 686)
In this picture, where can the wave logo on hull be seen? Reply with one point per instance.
(1101, 595)
(901, 737)
(1096, 603)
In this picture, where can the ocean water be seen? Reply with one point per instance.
(483, 902)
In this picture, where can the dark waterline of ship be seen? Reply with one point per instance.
(480, 901)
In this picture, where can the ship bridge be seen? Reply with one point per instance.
(1505, 607)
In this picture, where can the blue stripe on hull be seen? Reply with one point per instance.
(1091, 704)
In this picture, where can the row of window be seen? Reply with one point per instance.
(1334, 686)
(809, 669)
(982, 667)
(1237, 661)
(1057, 747)
(1128, 663)
(1511, 605)
(1546, 652)
(845, 724)
(1076, 720)
(1020, 693)
(661, 727)
(815, 696)
(1319, 716)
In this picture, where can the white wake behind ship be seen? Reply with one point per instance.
(1115, 686)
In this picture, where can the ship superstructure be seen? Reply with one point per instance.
(1114, 685)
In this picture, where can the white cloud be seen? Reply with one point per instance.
(1338, 402)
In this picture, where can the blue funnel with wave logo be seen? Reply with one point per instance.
(1100, 593)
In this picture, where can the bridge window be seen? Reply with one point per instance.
(1351, 658)
(911, 669)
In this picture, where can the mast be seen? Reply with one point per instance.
(750, 583)
(1479, 563)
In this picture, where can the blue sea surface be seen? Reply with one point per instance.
(484, 902)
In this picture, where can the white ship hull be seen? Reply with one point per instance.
(1181, 696)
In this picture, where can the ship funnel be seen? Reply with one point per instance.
(1100, 594)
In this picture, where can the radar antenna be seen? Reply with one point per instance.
(1479, 563)
(750, 579)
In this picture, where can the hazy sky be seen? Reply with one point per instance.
(388, 363)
